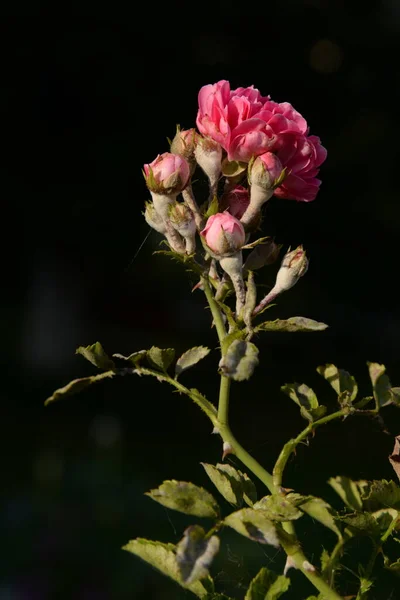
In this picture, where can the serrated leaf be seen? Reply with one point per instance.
(133, 358)
(304, 397)
(254, 525)
(381, 384)
(348, 491)
(278, 508)
(185, 497)
(292, 325)
(341, 381)
(384, 517)
(195, 553)
(317, 509)
(96, 355)
(232, 484)
(161, 358)
(77, 385)
(394, 567)
(190, 358)
(361, 523)
(267, 585)
(381, 494)
(240, 360)
(162, 557)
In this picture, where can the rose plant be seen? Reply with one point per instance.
(251, 149)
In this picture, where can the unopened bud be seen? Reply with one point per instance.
(262, 255)
(182, 219)
(223, 234)
(208, 155)
(153, 218)
(168, 174)
(294, 266)
(184, 144)
(235, 201)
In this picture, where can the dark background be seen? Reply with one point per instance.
(87, 97)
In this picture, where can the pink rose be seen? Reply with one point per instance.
(235, 201)
(223, 234)
(282, 117)
(168, 174)
(302, 156)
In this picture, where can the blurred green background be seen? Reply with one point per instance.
(87, 97)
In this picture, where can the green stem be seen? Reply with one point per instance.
(291, 445)
(215, 311)
(289, 540)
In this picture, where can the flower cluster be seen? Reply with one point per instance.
(256, 148)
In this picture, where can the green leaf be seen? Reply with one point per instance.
(77, 385)
(348, 491)
(342, 382)
(252, 245)
(317, 509)
(291, 325)
(278, 508)
(392, 566)
(305, 397)
(267, 585)
(325, 560)
(232, 484)
(253, 524)
(186, 497)
(133, 358)
(240, 360)
(361, 523)
(381, 494)
(195, 553)
(162, 557)
(381, 384)
(217, 597)
(229, 316)
(96, 355)
(232, 168)
(213, 208)
(384, 517)
(160, 358)
(190, 358)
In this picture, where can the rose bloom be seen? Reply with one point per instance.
(223, 233)
(235, 201)
(245, 123)
(302, 156)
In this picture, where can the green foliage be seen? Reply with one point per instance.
(190, 358)
(135, 358)
(305, 397)
(240, 360)
(342, 382)
(163, 558)
(291, 325)
(97, 356)
(161, 358)
(195, 553)
(380, 494)
(213, 208)
(77, 385)
(232, 484)
(317, 509)
(348, 491)
(267, 585)
(185, 497)
(278, 508)
(255, 525)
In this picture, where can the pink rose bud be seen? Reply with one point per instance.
(184, 144)
(182, 219)
(208, 154)
(168, 174)
(223, 234)
(294, 265)
(265, 173)
(235, 201)
(154, 219)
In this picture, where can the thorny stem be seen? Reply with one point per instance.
(291, 445)
(289, 541)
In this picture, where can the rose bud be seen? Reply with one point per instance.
(184, 144)
(154, 219)
(235, 201)
(223, 234)
(182, 219)
(209, 155)
(265, 174)
(294, 265)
